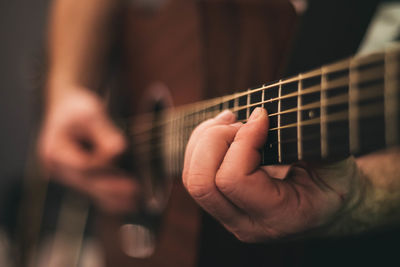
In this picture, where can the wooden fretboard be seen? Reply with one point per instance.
(349, 107)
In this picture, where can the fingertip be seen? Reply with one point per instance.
(258, 121)
(257, 114)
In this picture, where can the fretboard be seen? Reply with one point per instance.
(349, 107)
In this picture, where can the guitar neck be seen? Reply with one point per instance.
(349, 107)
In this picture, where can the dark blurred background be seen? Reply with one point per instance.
(22, 26)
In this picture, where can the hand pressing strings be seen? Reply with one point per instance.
(222, 173)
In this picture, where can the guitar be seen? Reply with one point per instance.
(324, 114)
(165, 59)
(164, 133)
(183, 44)
(286, 142)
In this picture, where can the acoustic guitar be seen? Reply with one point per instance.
(179, 53)
(323, 114)
(173, 52)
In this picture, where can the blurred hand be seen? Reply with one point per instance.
(222, 173)
(78, 144)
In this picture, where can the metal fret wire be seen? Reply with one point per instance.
(368, 93)
(138, 147)
(332, 68)
(193, 109)
(199, 109)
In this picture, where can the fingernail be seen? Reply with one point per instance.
(255, 114)
(226, 115)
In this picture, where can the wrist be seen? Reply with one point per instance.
(371, 208)
(355, 193)
(354, 217)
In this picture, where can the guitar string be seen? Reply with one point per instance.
(288, 155)
(368, 94)
(305, 92)
(318, 73)
(339, 99)
(150, 149)
(337, 117)
(294, 125)
(152, 140)
(194, 108)
(344, 117)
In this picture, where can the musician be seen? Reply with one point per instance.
(79, 143)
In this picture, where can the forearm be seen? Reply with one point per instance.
(381, 206)
(78, 41)
(375, 204)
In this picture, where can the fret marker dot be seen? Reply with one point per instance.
(311, 114)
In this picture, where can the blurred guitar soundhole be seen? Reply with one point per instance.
(137, 241)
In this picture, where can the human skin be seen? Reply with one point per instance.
(328, 199)
(78, 143)
(222, 173)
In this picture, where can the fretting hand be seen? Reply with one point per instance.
(222, 173)
(78, 145)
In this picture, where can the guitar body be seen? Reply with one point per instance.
(183, 51)
(193, 50)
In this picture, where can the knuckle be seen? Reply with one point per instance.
(198, 188)
(224, 182)
(229, 177)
